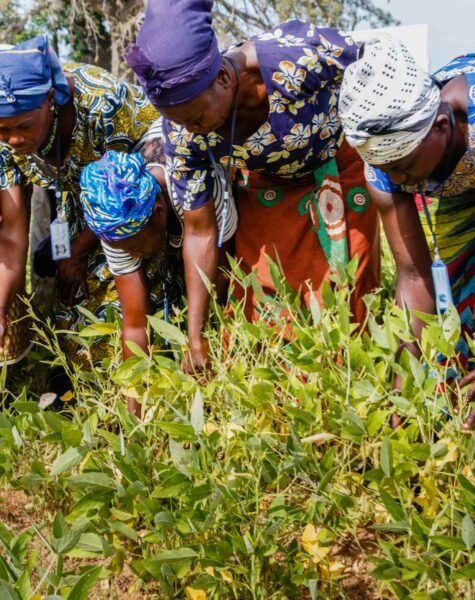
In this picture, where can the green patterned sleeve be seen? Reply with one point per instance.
(10, 174)
(126, 116)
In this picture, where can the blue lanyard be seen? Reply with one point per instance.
(440, 273)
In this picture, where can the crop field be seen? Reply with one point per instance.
(275, 476)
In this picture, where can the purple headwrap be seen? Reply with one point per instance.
(27, 73)
(176, 56)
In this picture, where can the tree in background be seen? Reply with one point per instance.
(237, 19)
(98, 31)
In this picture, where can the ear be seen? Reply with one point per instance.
(159, 205)
(442, 123)
(224, 76)
(50, 98)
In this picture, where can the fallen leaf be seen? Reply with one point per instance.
(67, 396)
(227, 576)
(193, 594)
(209, 428)
(312, 545)
(46, 400)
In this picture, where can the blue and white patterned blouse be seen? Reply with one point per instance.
(302, 67)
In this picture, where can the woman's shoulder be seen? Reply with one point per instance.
(298, 34)
(95, 83)
(458, 66)
(87, 74)
(297, 54)
(455, 92)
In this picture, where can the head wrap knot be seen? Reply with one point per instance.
(28, 71)
(176, 55)
(117, 195)
(6, 88)
(387, 102)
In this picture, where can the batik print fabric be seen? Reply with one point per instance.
(110, 115)
(164, 271)
(310, 226)
(302, 68)
(451, 205)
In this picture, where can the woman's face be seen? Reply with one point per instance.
(149, 239)
(26, 133)
(208, 112)
(423, 162)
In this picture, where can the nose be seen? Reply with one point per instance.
(195, 128)
(15, 140)
(397, 177)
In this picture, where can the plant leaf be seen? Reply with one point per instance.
(68, 460)
(167, 331)
(386, 458)
(197, 414)
(468, 531)
(85, 583)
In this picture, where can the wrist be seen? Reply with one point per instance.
(83, 243)
(196, 344)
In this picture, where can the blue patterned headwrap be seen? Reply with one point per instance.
(117, 195)
(176, 55)
(28, 71)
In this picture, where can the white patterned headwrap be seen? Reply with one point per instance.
(387, 102)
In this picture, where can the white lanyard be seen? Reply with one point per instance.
(225, 181)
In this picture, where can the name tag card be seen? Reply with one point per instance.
(60, 242)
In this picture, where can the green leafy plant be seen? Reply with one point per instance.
(272, 479)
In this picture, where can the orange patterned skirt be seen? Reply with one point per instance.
(310, 226)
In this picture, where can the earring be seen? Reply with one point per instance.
(51, 108)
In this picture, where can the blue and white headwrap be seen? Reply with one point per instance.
(117, 195)
(28, 72)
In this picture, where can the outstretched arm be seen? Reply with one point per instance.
(72, 272)
(406, 238)
(200, 252)
(13, 250)
(134, 300)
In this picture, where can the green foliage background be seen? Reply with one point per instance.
(252, 484)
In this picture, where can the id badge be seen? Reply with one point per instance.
(60, 242)
(443, 291)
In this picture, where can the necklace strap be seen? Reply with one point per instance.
(429, 220)
(44, 150)
(57, 182)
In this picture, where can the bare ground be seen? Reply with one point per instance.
(18, 511)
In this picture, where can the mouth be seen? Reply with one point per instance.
(24, 149)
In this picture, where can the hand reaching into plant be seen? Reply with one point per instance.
(195, 360)
(72, 275)
(72, 272)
